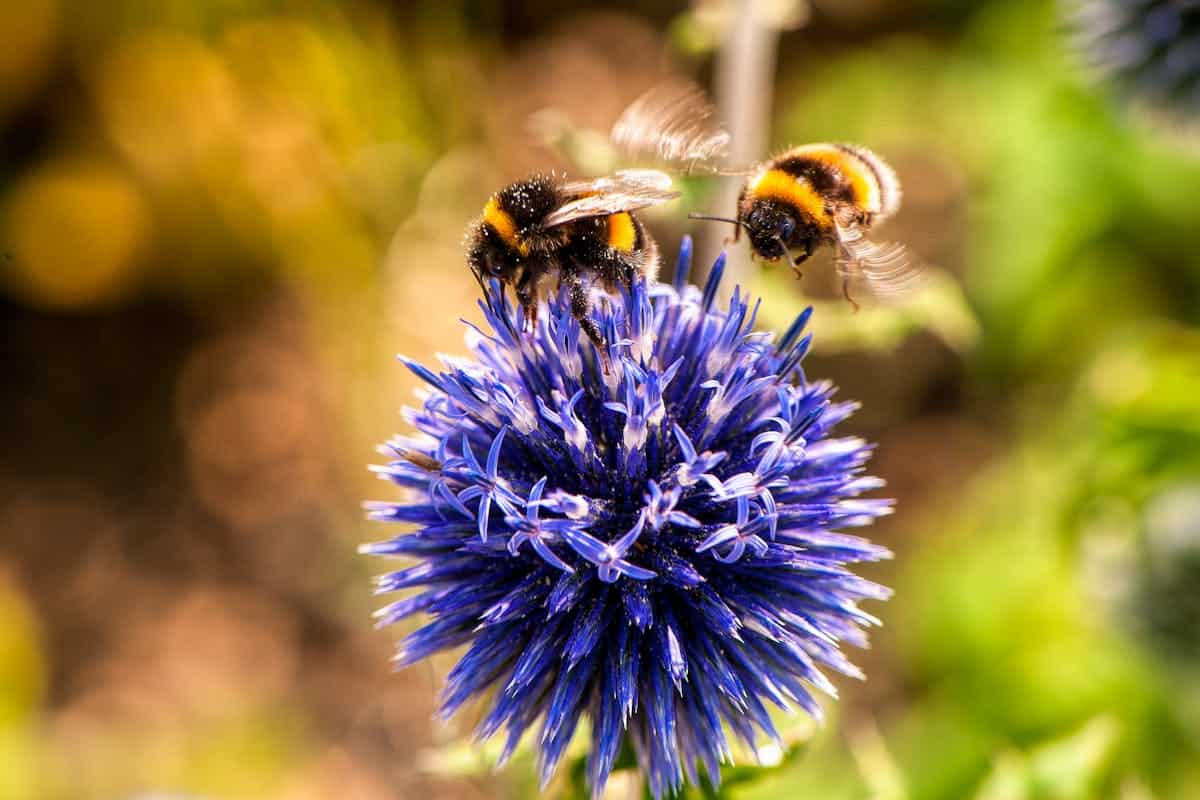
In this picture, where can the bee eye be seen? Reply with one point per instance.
(787, 226)
(491, 265)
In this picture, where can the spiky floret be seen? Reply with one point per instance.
(1150, 49)
(655, 549)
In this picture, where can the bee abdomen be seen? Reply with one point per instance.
(623, 233)
(645, 252)
(883, 176)
(846, 173)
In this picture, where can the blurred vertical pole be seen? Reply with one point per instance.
(745, 80)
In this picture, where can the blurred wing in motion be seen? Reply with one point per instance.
(884, 269)
(672, 122)
(625, 180)
(627, 190)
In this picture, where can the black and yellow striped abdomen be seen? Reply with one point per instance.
(623, 233)
(810, 195)
(817, 178)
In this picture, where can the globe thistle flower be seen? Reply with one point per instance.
(1150, 49)
(654, 548)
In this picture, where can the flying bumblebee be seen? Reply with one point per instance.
(806, 197)
(580, 233)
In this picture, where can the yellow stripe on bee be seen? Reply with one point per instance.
(622, 235)
(502, 223)
(858, 174)
(775, 184)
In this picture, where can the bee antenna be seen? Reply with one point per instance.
(782, 244)
(479, 279)
(716, 219)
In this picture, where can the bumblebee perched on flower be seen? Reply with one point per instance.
(806, 197)
(581, 233)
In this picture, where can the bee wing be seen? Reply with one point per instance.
(885, 268)
(671, 122)
(627, 190)
(625, 180)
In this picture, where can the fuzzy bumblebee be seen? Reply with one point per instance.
(817, 194)
(543, 233)
(809, 196)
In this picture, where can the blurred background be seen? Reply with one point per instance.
(220, 219)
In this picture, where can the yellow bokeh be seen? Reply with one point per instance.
(28, 32)
(76, 232)
(168, 102)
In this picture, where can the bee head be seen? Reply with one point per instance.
(771, 227)
(489, 256)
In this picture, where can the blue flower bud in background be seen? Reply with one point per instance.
(655, 549)
(1163, 596)
(1150, 49)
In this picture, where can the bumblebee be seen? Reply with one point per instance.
(543, 230)
(806, 197)
(823, 194)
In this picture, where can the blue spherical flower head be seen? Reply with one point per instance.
(654, 548)
(1150, 49)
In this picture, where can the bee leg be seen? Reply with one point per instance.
(735, 238)
(846, 292)
(529, 323)
(528, 299)
(580, 306)
(800, 259)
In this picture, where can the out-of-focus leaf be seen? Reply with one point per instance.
(1069, 768)
(879, 769)
(936, 306)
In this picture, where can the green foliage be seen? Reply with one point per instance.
(937, 307)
